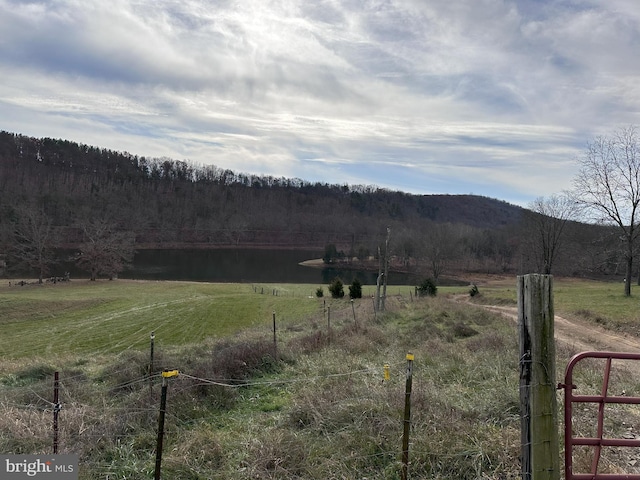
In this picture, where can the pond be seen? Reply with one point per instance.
(237, 266)
(244, 266)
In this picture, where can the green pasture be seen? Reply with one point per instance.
(109, 317)
(106, 317)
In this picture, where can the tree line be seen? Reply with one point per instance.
(105, 204)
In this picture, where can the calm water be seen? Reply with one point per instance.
(229, 265)
(243, 265)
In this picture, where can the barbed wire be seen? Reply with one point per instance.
(225, 382)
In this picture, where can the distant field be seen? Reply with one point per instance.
(109, 317)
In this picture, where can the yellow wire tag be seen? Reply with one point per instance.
(409, 356)
(170, 373)
(387, 376)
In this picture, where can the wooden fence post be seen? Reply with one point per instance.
(151, 345)
(328, 325)
(355, 320)
(538, 404)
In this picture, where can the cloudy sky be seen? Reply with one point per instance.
(490, 97)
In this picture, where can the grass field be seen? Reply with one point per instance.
(83, 317)
(108, 317)
(105, 317)
(317, 408)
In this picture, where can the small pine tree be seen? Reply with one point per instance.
(427, 287)
(319, 292)
(336, 288)
(330, 253)
(355, 289)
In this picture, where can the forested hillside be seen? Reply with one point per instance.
(71, 194)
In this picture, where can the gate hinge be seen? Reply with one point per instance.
(562, 386)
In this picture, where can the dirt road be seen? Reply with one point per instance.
(580, 336)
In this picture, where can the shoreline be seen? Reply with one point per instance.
(313, 263)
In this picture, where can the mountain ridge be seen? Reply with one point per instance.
(80, 173)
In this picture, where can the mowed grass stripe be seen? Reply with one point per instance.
(109, 317)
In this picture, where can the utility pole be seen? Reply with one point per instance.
(386, 267)
(376, 305)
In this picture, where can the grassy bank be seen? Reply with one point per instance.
(318, 407)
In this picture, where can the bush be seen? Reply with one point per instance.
(462, 330)
(473, 290)
(319, 292)
(355, 289)
(427, 287)
(336, 288)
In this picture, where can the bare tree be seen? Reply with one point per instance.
(545, 221)
(105, 249)
(441, 245)
(33, 240)
(608, 187)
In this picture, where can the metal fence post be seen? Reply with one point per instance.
(275, 338)
(407, 418)
(166, 374)
(56, 410)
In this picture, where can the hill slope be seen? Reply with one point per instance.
(172, 202)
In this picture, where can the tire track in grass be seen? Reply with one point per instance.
(124, 323)
(78, 335)
(157, 324)
(173, 326)
(117, 320)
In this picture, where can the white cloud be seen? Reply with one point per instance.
(482, 96)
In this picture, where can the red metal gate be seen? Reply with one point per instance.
(599, 441)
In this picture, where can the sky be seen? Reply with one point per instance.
(487, 97)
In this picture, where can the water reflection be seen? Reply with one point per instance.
(244, 265)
